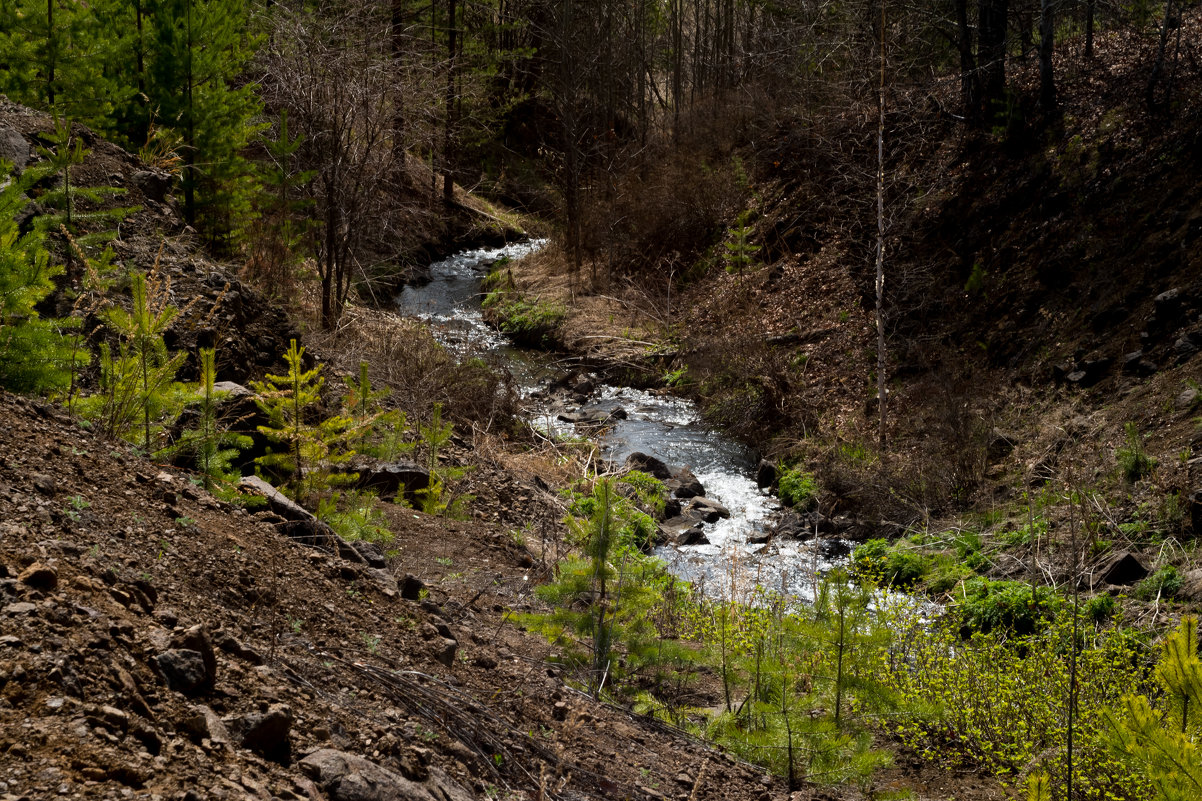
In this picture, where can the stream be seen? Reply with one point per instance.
(729, 564)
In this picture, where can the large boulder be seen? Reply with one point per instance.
(683, 484)
(1123, 568)
(646, 463)
(265, 732)
(683, 531)
(277, 501)
(765, 474)
(349, 777)
(706, 510)
(389, 479)
(14, 148)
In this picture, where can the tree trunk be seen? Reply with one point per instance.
(1090, 12)
(448, 183)
(880, 245)
(991, 53)
(970, 81)
(1047, 79)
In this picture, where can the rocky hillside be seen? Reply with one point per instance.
(157, 643)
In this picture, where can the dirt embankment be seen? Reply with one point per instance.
(159, 643)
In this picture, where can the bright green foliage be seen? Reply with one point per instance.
(213, 446)
(798, 489)
(605, 601)
(380, 432)
(1161, 741)
(798, 681)
(1034, 530)
(139, 396)
(305, 452)
(88, 225)
(740, 253)
(1039, 787)
(529, 322)
(35, 356)
(436, 499)
(636, 531)
(1164, 583)
(56, 55)
(198, 49)
(1134, 461)
(355, 515)
(116, 65)
(648, 490)
(1003, 702)
(1013, 607)
(876, 560)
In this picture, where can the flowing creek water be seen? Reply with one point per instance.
(730, 564)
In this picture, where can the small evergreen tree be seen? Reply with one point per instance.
(307, 450)
(740, 253)
(198, 49)
(379, 432)
(1162, 740)
(35, 356)
(434, 498)
(139, 396)
(213, 446)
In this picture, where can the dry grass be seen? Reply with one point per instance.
(403, 356)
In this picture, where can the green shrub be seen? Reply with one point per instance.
(798, 489)
(1164, 583)
(944, 573)
(892, 566)
(1134, 461)
(1011, 606)
(528, 322)
(355, 516)
(1028, 534)
(648, 489)
(1100, 608)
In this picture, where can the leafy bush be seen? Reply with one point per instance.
(532, 323)
(892, 566)
(1134, 461)
(798, 489)
(944, 573)
(355, 516)
(1009, 606)
(1100, 608)
(1163, 583)
(1003, 704)
(648, 490)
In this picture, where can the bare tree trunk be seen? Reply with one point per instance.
(1047, 79)
(991, 52)
(1170, 20)
(448, 183)
(880, 243)
(970, 81)
(1091, 7)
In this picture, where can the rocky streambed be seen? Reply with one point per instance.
(723, 529)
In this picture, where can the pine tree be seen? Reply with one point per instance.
(35, 356)
(139, 396)
(1163, 740)
(213, 446)
(198, 49)
(54, 54)
(307, 450)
